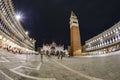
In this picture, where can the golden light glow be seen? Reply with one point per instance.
(0, 36)
(4, 39)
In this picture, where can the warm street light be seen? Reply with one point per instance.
(18, 16)
(0, 36)
(26, 32)
(4, 39)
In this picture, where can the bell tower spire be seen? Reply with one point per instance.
(74, 36)
(72, 13)
(73, 20)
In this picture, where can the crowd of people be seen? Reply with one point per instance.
(16, 50)
(58, 54)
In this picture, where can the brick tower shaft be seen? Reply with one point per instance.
(75, 36)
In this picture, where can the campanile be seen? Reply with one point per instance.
(75, 40)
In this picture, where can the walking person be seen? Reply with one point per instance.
(41, 56)
(62, 54)
(47, 52)
(58, 54)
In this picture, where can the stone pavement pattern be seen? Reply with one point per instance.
(30, 67)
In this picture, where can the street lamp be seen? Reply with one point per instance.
(4, 39)
(18, 16)
(26, 32)
(0, 36)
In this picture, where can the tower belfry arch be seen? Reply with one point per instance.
(75, 43)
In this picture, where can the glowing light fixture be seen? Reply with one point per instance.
(4, 39)
(18, 16)
(0, 36)
(26, 32)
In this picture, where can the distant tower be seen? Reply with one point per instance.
(75, 46)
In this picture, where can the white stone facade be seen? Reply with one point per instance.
(106, 42)
(12, 34)
(53, 48)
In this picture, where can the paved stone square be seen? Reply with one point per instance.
(30, 67)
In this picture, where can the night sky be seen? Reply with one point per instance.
(48, 20)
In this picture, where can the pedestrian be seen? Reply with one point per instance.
(47, 52)
(62, 54)
(59, 54)
(41, 56)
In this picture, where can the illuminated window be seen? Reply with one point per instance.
(118, 27)
(111, 32)
(0, 36)
(114, 30)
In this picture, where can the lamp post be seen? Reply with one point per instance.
(18, 16)
(26, 32)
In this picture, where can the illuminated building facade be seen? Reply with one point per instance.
(12, 34)
(106, 42)
(52, 48)
(75, 43)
